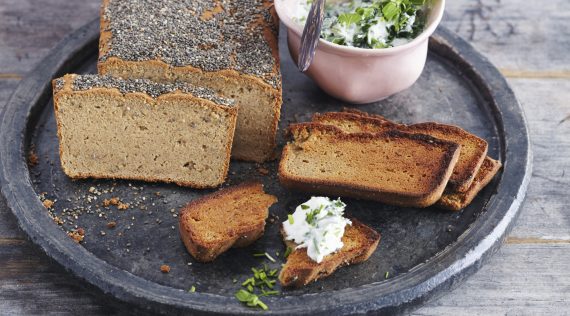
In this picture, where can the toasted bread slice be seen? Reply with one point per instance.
(473, 148)
(392, 167)
(360, 241)
(458, 200)
(231, 217)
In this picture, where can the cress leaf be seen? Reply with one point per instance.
(349, 18)
(391, 11)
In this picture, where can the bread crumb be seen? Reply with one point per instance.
(123, 206)
(111, 201)
(263, 171)
(32, 158)
(111, 224)
(48, 203)
(164, 268)
(77, 235)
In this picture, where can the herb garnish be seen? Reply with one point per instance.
(372, 23)
(261, 284)
(290, 218)
(287, 252)
(265, 254)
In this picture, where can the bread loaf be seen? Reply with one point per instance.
(228, 46)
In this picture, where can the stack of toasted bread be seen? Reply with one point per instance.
(356, 154)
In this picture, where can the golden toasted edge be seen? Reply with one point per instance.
(366, 192)
(456, 201)
(292, 276)
(66, 90)
(462, 182)
(354, 117)
(206, 252)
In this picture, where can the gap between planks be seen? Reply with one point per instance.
(535, 74)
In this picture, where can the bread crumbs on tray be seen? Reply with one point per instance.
(164, 268)
(32, 157)
(78, 235)
(123, 206)
(48, 203)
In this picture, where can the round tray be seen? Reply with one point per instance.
(424, 251)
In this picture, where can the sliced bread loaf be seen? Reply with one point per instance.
(360, 242)
(393, 167)
(138, 129)
(231, 217)
(473, 148)
(227, 46)
(456, 201)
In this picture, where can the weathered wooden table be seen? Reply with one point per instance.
(528, 41)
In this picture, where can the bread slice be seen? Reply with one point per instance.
(355, 121)
(473, 148)
(456, 201)
(141, 130)
(360, 242)
(231, 217)
(227, 46)
(392, 167)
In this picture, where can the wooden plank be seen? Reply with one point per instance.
(8, 225)
(30, 28)
(516, 35)
(32, 284)
(545, 212)
(523, 279)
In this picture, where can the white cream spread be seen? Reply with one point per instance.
(317, 225)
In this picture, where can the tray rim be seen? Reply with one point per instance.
(411, 288)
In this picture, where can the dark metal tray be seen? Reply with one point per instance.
(424, 251)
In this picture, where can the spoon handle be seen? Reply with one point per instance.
(311, 34)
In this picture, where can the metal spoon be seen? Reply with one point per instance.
(311, 34)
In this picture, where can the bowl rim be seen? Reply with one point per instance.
(349, 50)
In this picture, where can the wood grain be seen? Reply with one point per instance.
(529, 275)
(519, 280)
(30, 28)
(513, 34)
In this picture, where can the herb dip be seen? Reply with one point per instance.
(369, 23)
(317, 225)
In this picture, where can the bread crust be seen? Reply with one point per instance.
(455, 201)
(114, 65)
(66, 90)
(206, 251)
(340, 188)
(300, 270)
(461, 179)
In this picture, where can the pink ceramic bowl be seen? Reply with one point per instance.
(360, 75)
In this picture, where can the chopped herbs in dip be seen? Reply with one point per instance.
(369, 23)
(318, 225)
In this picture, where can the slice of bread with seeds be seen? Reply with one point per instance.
(142, 130)
(232, 217)
(360, 242)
